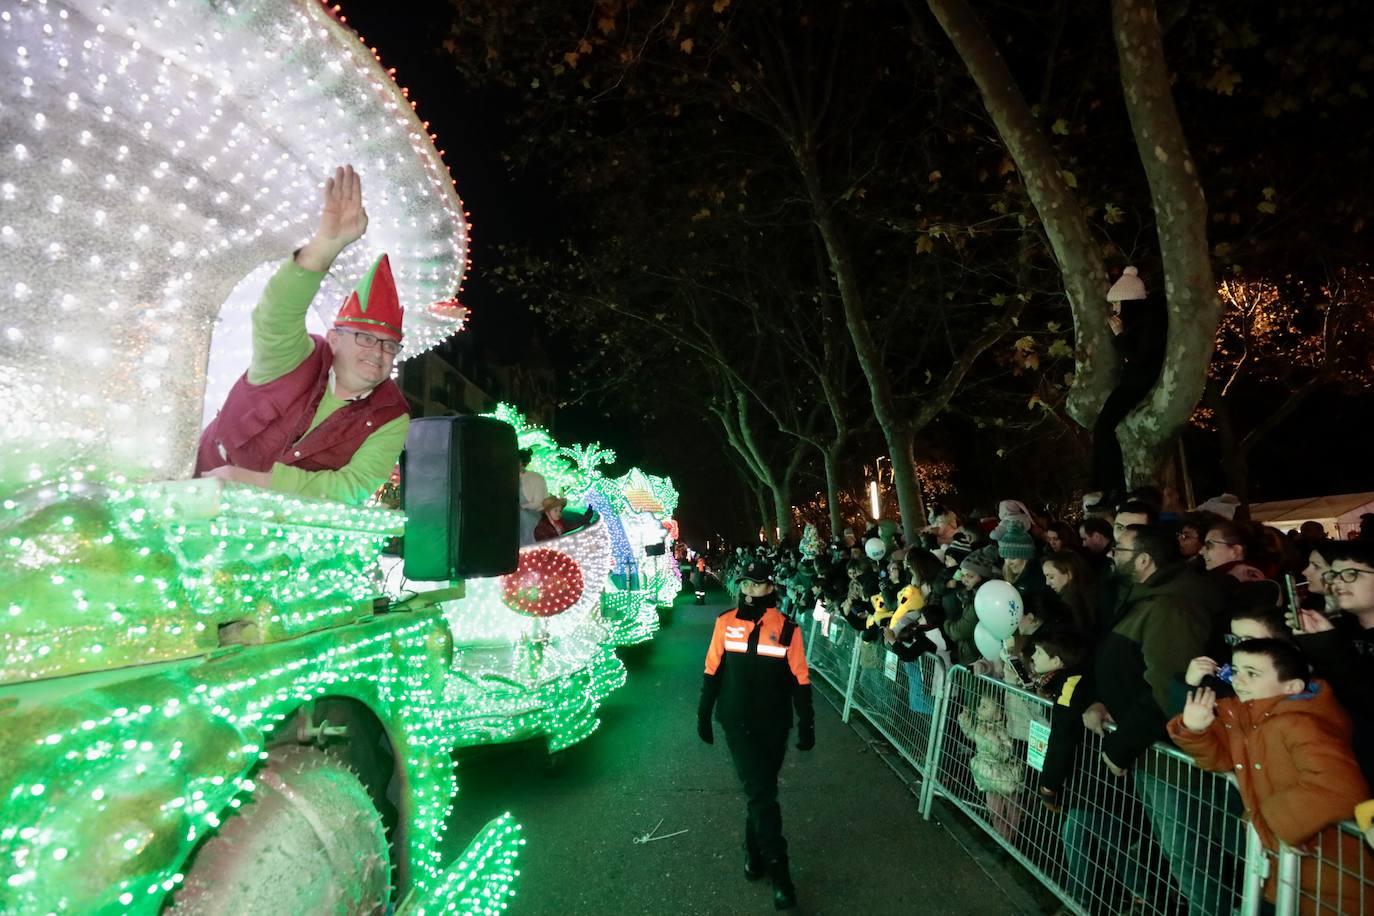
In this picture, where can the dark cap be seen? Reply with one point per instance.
(758, 571)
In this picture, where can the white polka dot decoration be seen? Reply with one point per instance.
(153, 155)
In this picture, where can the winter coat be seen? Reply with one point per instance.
(1142, 342)
(960, 621)
(1032, 579)
(995, 765)
(1066, 726)
(1345, 657)
(1164, 624)
(1297, 776)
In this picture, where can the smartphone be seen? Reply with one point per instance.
(1290, 613)
(1020, 668)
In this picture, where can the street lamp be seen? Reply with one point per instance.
(873, 492)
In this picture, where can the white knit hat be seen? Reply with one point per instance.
(1130, 286)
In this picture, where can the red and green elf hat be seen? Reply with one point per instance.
(373, 305)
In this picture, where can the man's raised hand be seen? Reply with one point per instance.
(343, 220)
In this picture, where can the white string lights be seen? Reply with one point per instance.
(154, 155)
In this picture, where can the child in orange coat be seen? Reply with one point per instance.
(1287, 741)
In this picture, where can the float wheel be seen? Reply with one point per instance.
(309, 840)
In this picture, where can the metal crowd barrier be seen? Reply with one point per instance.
(1164, 839)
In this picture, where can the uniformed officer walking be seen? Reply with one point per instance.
(755, 677)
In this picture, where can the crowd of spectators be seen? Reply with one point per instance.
(1252, 649)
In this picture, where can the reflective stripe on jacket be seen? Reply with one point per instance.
(757, 668)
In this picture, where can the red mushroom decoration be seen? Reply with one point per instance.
(546, 583)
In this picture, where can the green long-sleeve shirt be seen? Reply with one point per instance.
(280, 344)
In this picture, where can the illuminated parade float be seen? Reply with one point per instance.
(214, 697)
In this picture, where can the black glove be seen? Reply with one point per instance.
(704, 731)
(806, 736)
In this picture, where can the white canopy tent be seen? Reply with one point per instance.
(1339, 515)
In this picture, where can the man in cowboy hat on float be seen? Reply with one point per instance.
(317, 416)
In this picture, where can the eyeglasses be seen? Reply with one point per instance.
(1345, 575)
(1231, 639)
(1116, 550)
(1187, 536)
(369, 341)
(1211, 544)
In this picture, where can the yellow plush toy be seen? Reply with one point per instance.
(1364, 816)
(910, 600)
(881, 615)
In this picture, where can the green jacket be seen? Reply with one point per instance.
(1164, 625)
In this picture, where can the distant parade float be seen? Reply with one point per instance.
(190, 668)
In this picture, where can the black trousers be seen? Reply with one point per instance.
(1109, 472)
(757, 753)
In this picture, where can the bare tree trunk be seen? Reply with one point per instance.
(894, 428)
(782, 522)
(831, 457)
(1070, 238)
(1149, 434)
(739, 432)
(905, 480)
(762, 501)
(782, 490)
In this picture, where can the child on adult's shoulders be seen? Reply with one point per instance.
(1286, 740)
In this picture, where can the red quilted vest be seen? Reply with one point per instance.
(260, 425)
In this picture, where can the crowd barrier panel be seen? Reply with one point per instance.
(1334, 875)
(832, 649)
(1165, 838)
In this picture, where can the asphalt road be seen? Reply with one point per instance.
(858, 844)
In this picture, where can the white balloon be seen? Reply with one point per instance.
(999, 607)
(990, 646)
(875, 548)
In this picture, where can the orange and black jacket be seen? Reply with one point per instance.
(756, 671)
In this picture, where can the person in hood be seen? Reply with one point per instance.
(1286, 740)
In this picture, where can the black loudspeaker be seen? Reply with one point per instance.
(655, 550)
(460, 487)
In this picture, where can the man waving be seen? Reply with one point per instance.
(317, 416)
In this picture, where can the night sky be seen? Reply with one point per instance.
(472, 128)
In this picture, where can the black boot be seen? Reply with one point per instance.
(754, 866)
(784, 892)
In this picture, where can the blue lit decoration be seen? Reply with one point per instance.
(625, 565)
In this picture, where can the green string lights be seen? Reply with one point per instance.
(480, 881)
(113, 801)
